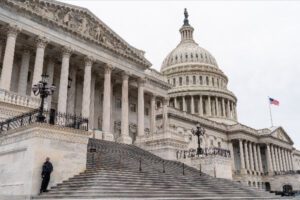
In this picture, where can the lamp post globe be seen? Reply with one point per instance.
(42, 89)
(199, 131)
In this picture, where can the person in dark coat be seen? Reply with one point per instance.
(46, 171)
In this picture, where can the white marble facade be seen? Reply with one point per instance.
(126, 100)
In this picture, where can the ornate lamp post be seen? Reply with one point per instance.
(44, 91)
(199, 131)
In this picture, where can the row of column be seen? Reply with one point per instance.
(41, 43)
(250, 156)
(279, 159)
(214, 106)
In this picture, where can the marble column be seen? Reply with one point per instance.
(251, 156)
(165, 115)
(242, 155)
(283, 159)
(7, 66)
(125, 138)
(291, 160)
(223, 107)
(63, 84)
(208, 106)
(235, 113)
(286, 160)
(23, 75)
(72, 91)
(231, 155)
(217, 107)
(86, 94)
(273, 157)
(50, 73)
(92, 124)
(2, 43)
(106, 114)
(276, 158)
(269, 161)
(175, 103)
(192, 105)
(259, 159)
(200, 106)
(280, 159)
(141, 108)
(228, 108)
(255, 157)
(153, 114)
(183, 104)
(41, 43)
(247, 155)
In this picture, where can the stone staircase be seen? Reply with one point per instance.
(120, 171)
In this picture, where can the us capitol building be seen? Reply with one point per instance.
(102, 78)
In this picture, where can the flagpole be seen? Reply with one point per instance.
(270, 112)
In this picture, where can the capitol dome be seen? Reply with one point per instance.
(188, 51)
(199, 86)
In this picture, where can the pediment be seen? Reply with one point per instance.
(81, 22)
(280, 134)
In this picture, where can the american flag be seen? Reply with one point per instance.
(274, 101)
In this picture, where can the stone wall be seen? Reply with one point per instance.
(23, 151)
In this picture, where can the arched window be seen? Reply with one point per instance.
(207, 81)
(201, 81)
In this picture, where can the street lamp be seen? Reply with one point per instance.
(44, 91)
(199, 131)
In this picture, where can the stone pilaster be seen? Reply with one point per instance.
(259, 159)
(175, 103)
(247, 155)
(41, 43)
(291, 160)
(184, 104)
(153, 114)
(192, 105)
(141, 107)
(23, 76)
(50, 73)
(280, 159)
(86, 94)
(269, 161)
(283, 160)
(106, 114)
(2, 44)
(200, 107)
(286, 160)
(7, 66)
(125, 138)
(242, 155)
(72, 91)
(165, 115)
(63, 84)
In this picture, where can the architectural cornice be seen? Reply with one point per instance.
(78, 21)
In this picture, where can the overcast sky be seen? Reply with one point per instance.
(256, 44)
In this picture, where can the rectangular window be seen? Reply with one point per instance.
(201, 82)
(146, 111)
(194, 80)
(174, 81)
(118, 103)
(187, 80)
(207, 81)
(132, 107)
(180, 81)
